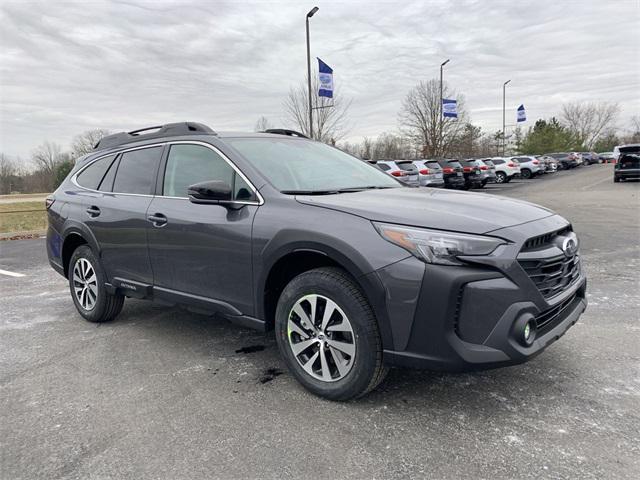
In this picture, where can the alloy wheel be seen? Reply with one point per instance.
(85, 284)
(321, 338)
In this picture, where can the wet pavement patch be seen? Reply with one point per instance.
(269, 374)
(251, 349)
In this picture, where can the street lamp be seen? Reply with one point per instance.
(441, 112)
(311, 13)
(504, 123)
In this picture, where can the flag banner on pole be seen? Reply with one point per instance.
(325, 75)
(449, 108)
(522, 116)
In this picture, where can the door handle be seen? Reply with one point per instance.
(93, 211)
(158, 219)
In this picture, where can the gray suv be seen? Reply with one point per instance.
(353, 270)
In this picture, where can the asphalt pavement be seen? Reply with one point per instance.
(164, 393)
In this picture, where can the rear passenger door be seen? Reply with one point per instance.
(116, 213)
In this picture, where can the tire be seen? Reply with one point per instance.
(91, 298)
(526, 173)
(616, 179)
(501, 177)
(363, 370)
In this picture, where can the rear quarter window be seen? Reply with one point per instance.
(137, 171)
(92, 175)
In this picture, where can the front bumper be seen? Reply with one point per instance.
(469, 318)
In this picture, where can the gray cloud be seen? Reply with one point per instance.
(69, 66)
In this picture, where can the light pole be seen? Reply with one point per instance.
(311, 13)
(441, 112)
(504, 123)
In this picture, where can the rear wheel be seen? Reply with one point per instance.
(526, 173)
(501, 177)
(87, 285)
(616, 179)
(328, 335)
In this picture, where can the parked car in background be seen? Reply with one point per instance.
(567, 160)
(589, 158)
(487, 170)
(506, 169)
(471, 173)
(405, 171)
(529, 166)
(578, 157)
(452, 174)
(627, 166)
(550, 164)
(429, 173)
(606, 157)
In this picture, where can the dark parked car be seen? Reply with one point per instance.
(353, 270)
(472, 175)
(566, 160)
(628, 165)
(589, 158)
(452, 174)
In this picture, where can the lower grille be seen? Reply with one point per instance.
(551, 317)
(552, 275)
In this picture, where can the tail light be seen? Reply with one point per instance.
(398, 173)
(536, 162)
(425, 171)
(48, 202)
(484, 167)
(447, 170)
(511, 164)
(466, 169)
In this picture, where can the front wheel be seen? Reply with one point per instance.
(328, 335)
(87, 285)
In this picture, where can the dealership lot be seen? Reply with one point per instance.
(163, 393)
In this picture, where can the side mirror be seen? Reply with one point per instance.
(210, 192)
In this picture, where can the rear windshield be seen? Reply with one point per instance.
(630, 160)
(489, 163)
(455, 164)
(435, 165)
(406, 165)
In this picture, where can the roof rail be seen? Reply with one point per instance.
(167, 130)
(284, 131)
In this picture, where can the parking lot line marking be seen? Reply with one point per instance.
(11, 274)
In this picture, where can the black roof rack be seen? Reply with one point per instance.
(168, 130)
(284, 131)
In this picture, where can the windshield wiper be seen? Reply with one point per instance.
(359, 189)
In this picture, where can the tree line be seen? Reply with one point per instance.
(421, 133)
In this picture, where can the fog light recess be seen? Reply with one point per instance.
(529, 333)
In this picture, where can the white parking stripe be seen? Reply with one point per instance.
(11, 274)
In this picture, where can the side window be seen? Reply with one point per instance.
(106, 185)
(189, 164)
(91, 176)
(137, 171)
(498, 162)
(384, 166)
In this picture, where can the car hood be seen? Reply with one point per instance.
(432, 208)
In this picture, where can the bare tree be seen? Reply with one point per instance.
(588, 121)
(47, 156)
(86, 141)
(262, 124)
(329, 115)
(420, 116)
(8, 171)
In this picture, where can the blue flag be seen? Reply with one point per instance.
(522, 116)
(325, 75)
(449, 108)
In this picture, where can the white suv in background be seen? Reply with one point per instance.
(506, 169)
(529, 166)
(403, 170)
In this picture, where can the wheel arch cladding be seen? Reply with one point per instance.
(71, 242)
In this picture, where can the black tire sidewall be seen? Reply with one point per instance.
(98, 312)
(368, 347)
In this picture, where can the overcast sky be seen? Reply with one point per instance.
(66, 67)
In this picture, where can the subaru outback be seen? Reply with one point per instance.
(354, 271)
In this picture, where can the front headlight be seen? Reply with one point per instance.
(433, 246)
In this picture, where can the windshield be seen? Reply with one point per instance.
(294, 165)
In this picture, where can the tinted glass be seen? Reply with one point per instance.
(384, 166)
(489, 163)
(435, 165)
(107, 182)
(91, 176)
(406, 165)
(137, 171)
(455, 164)
(497, 162)
(297, 164)
(190, 164)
